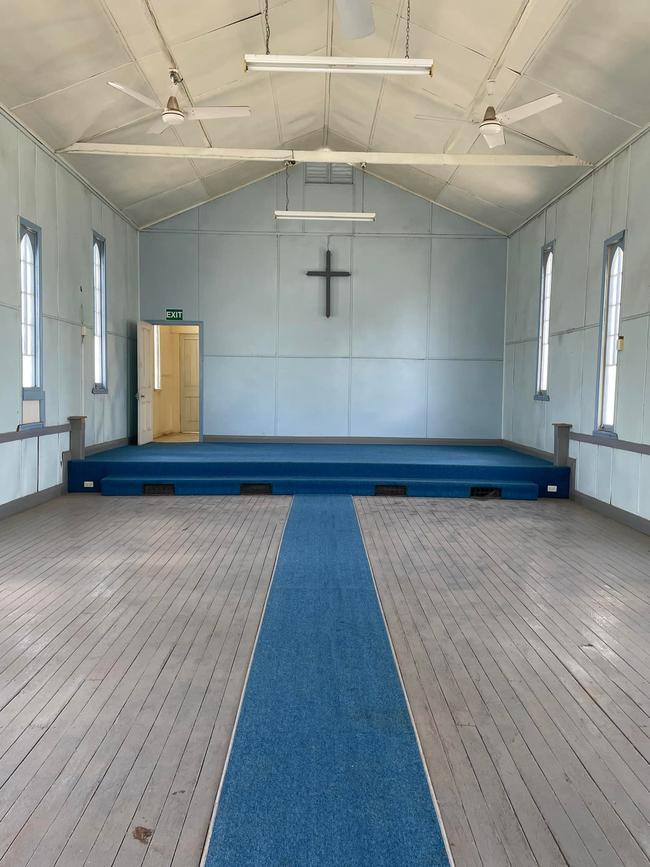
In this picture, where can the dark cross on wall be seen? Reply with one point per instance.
(328, 274)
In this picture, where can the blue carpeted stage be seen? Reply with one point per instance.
(325, 769)
(312, 468)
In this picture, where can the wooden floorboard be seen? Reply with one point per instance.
(127, 624)
(126, 628)
(522, 633)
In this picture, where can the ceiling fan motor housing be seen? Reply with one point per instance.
(172, 114)
(490, 127)
(173, 117)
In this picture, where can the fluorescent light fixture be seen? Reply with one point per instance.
(336, 216)
(362, 65)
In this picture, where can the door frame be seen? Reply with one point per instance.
(198, 322)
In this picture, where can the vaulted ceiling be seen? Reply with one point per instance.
(56, 57)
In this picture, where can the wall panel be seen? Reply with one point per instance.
(473, 417)
(613, 199)
(275, 365)
(238, 294)
(303, 328)
(313, 395)
(388, 398)
(391, 294)
(36, 187)
(240, 396)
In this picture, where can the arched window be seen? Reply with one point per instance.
(611, 318)
(29, 307)
(544, 332)
(99, 319)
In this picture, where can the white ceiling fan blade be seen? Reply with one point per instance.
(157, 127)
(512, 115)
(135, 94)
(494, 139)
(356, 17)
(451, 120)
(215, 112)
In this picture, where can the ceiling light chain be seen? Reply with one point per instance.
(267, 27)
(408, 28)
(287, 165)
(363, 187)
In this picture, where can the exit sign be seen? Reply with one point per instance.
(174, 313)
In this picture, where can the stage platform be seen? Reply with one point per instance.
(303, 468)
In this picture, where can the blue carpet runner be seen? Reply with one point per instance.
(325, 768)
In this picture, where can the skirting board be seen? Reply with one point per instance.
(31, 500)
(113, 444)
(636, 522)
(404, 441)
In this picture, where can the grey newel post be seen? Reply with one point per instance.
(77, 437)
(561, 443)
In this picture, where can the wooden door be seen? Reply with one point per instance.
(190, 382)
(145, 382)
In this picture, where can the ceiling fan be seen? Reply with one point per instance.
(173, 115)
(491, 127)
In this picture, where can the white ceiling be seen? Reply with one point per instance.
(57, 55)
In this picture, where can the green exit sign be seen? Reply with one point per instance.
(174, 313)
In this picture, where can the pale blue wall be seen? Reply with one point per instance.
(34, 186)
(415, 344)
(614, 198)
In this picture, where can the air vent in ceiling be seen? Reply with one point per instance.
(328, 173)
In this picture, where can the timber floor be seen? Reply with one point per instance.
(522, 631)
(126, 628)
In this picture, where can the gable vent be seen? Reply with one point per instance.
(328, 173)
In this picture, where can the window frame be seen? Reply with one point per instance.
(547, 250)
(100, 387)
(610, 247)
(37, 391)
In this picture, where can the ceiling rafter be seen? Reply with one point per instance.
(395, 34)
(327, 156)
(328, 78)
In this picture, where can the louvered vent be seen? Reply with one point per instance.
(255, 488)
(162, 489)
(390, 491)
(340, 173)
(328, 173)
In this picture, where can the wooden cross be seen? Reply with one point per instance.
(328, 274)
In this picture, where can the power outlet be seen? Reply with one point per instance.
(551, 489)
(89, 484)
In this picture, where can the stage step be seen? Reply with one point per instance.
(113, 486)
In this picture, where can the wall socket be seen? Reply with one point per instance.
(89, 484)
(551, 489)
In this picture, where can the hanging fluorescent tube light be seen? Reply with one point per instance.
(334, 216)
(362, 65)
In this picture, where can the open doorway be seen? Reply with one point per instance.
(176, 383)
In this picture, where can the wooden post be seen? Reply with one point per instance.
(561, 443)
(77, 437)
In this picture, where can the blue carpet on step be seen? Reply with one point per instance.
(319, 453)
(325, 769)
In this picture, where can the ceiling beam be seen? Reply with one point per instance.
(326, 156)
